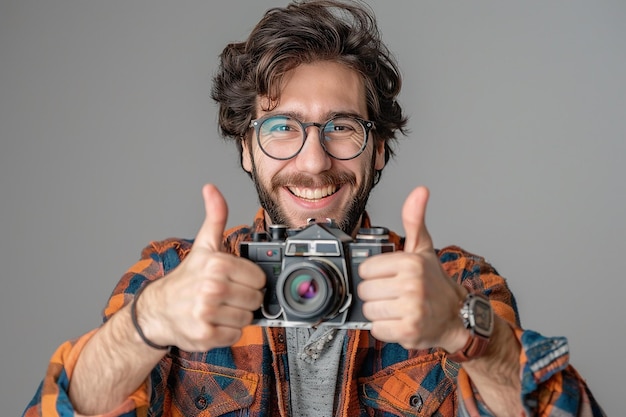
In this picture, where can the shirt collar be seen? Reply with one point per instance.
(260, 225)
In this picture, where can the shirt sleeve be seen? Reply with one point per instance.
(51, 398)
(550, 385)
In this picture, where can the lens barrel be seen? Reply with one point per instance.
(311, 290)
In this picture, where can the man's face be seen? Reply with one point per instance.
(313, 184)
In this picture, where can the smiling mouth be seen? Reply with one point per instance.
(313, 194)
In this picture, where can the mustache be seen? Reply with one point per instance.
(321, 180)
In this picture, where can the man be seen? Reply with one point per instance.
(310, 100)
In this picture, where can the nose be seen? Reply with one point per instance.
(312, 158)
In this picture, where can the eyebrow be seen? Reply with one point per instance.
(327, 116)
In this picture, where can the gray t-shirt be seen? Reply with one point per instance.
(314, 359)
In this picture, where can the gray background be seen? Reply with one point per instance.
(107, 134)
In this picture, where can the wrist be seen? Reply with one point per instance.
(139, 321)
(478, 321)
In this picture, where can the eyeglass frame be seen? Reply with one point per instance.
(367, 125)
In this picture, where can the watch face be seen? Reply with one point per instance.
(482, 316)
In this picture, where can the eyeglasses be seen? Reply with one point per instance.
(282, 137)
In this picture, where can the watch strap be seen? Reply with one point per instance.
(474, 347)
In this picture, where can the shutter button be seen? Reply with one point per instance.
(416, 402)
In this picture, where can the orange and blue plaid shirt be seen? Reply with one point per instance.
(251, 378)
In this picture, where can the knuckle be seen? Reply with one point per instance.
(207, 311)
(216, 265)
(408, 340)
(412, 286)
(213, 288)
(246, 317)
(198, 337)
(257, 300)
(204, 334)
(413, 326)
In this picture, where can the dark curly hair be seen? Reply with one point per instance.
(300, 33)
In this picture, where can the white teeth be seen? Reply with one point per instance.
(313, 193)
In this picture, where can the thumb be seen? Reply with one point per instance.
(414, 221)
(211, 232)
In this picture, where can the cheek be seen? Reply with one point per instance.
(265, 167)
(371, 160)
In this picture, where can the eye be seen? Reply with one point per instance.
(279, 125)
(338, 127)
(342, 127)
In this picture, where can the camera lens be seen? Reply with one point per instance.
(304, 287)
(311, 290)
(306, 292)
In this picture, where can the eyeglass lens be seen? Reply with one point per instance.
(282, 137)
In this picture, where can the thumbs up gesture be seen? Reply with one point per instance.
(407, 295)
(206, 301)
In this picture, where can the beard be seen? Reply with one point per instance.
(350, 215)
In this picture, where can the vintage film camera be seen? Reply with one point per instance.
(312, 274)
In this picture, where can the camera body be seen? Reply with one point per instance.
(312, 274)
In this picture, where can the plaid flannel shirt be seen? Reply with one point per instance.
(375, 379)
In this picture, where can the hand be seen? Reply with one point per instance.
(407, 295)
(206, 301)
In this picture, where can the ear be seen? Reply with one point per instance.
(246, 155)
(379, 162)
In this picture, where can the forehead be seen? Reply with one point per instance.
(318, 89)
